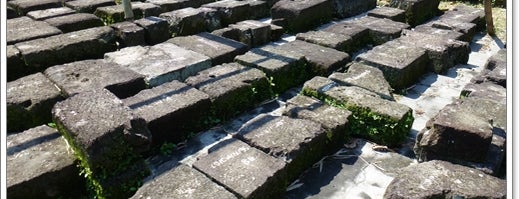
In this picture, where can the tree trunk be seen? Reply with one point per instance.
(128, 12)
(489, 18)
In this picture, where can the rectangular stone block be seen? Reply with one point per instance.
(417, 11)
(39, 165)
(488, 109)
(366, 77)
(393, 14)
(231, 11)
(244, 170)
(22, 7)
(156, 30)
(467, 29)
(233, 88)
(172, 110)
(88, 6)
(220, 50)
(487, 90)
(336, 41)
(322, 61)
(276, 32)
(189, 21)
(168, 5)
(115, 13)
(29, 102)
(259, 9)
(255, 33)
(15, 66)
(129, 34)
(75, 22)
(359, 34)
(401, 63)
(160, 63)
(81, 76)
(74, 46)
(49, 13)
(182, 182)
(350, 8)
(384, 30)
(24, 29)
(497, 60)
(446, 34)
(467, 14)
(301, 15)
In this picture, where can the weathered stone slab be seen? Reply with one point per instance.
(366, 77)
(446, 34)
(29, 102)
(220, 50)
(359, 34)
(49, 13)
(22, 7)
(129, 34)
(160, 63)
(24, 29)
(336, 41)
(115, 13)
(171, 110)
(15, 66)
(301, 15)
(246, 171)
(286, 69)
(401, 63)
(276, 32)
(350, 8)
(383, 30)
(171, 5)
(253, 33)
(316, 87)
(258, 9)
(467, 14)
(107, 138)
(417, 11)
(59, 49)
(391, 13)
(231, 11)
(323, 61)
(488, 109)
(75, 22)
(497, 76)
(81, 76)
(40, 165)
(88, 6)
(467, 29)
(485, 90)
(497, 60)
(444, 180)
(182, 182)
(156, 30)
(189, 21)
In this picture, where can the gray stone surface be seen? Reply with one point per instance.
(29, 102)
(22, 7)
(172, 110)
(129, 34)
(182, 182)
(439, 179)
(220, 50)
(246, 171)
(446, 34)
(253, 33)
(231, 11)
(359, 34)
(39, 164)
(258, 9)
(15, 67)
(417, 11)
(156, 30)
(467, 14)
(49, 13)
(383, 30)
(276, 32)
(486, 90)
(496, 75)
(497, 60)
(160, 63)
(336, 41)
(171, 5)
(115, 13)
(301, 15)
(467, 29)
(24, 29)
(394, 14)
(88, 6)
(188, 21)
(74, 46)
(366, 77)
(81, 76)
(350, 8)
(75, 22)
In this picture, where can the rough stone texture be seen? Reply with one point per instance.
(29, 102)
(286, 69)
(189, 21)
(171, 5)
(115, 13)
(301, 15)
(253, 33)
(74, 46)
(336, 41)
(129, 34)
(182, 182)
(316, 86)
(246, 171)
(488, 109)
(359, 34)
(15, 66)
(49, 13)
(171, 110)
(75, 22)
(417, 11)
(231, 11)
(366, 77)
(156, 30)
(160, 63)
(232, 88)
(22, 7)
(486, 90)
(323, 61)
(24, 29)
(88, 6)
(349, 8)
(402, 64)
(495, 70)
(39, 165)
(440, 179)
(467, 14)
(383, 30)
(468, 30)
(394, 14)
(258, 9)
(497, 60)
(220, 50)
(81, 76)
(446, 34)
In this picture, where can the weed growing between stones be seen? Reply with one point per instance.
(167, 148)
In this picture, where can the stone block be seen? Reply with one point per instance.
(384, 30)
(233, 88)
(171, 5)
(160, 63)
(301, 15)
(129, 34)
(81, 76)
(322, 61)
(171, 110)
(29, 102)
(107, 139)
(189, 21)
(24, 29)
(259, 9)
(401, 63)
(74, 46)
(49, 13)
(486, 90)
(40, 165)
(445, 34)
(359, 34)
(417, 11)
(496, 76)
(467, 29)
(15, 66)
(231, 11)
(366, 77)
(220, 50)
(488, 109)
(244, 170)
(22, 7)
(253, 33)
(350, 8)
(88, 6)
(276, 32)
(497, 60)
(393, 14)
(336, 41)
(115, 13)
(75, 22)
(284, 69)
(182, 182)
(156, 30)
(467, 14)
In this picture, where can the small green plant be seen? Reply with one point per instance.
(167, 148)
(52, 125)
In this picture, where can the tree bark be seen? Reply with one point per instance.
(489, 18)
(128, 12)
